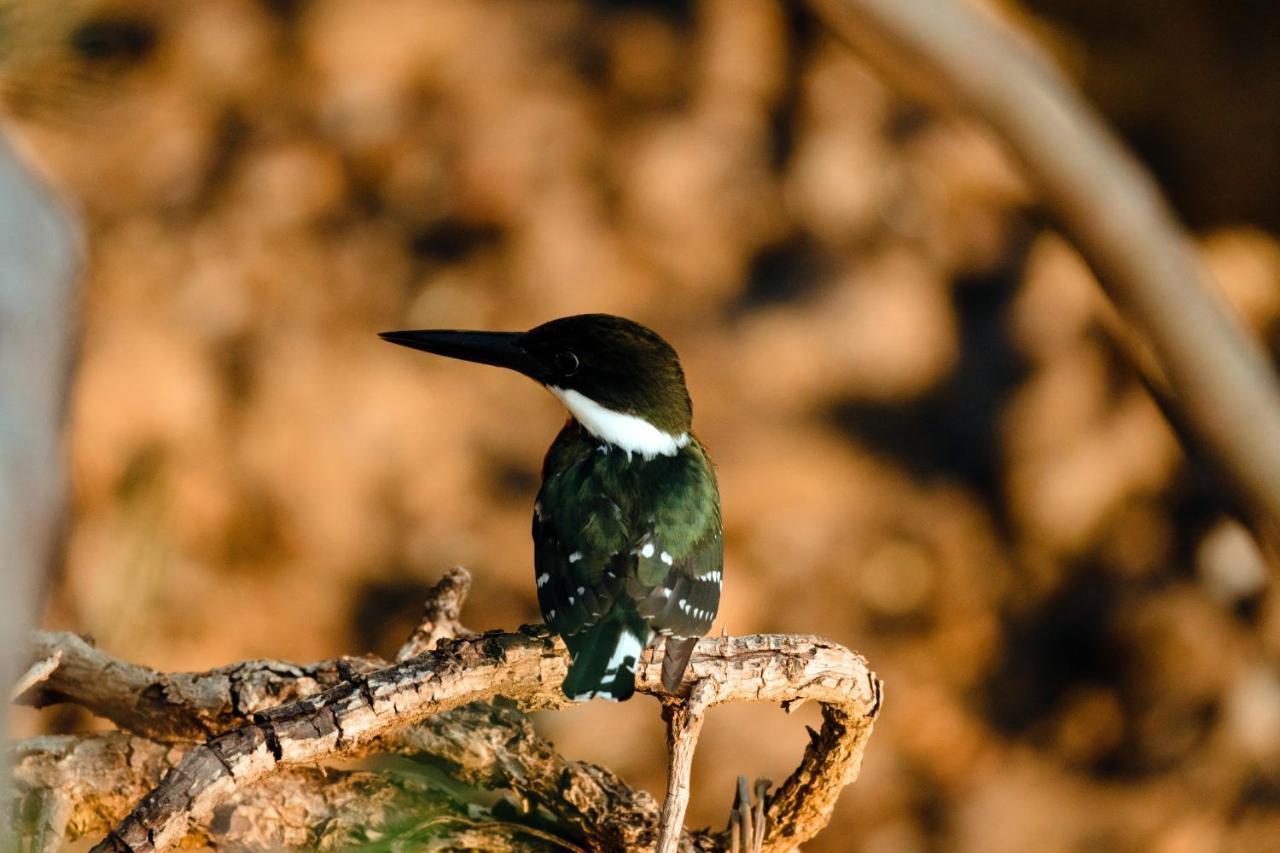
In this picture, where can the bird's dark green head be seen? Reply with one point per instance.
(614, 375)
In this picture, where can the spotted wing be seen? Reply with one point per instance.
(577, 581)
(678, 589)
(684, 595)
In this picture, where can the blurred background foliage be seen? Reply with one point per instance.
(928, 447)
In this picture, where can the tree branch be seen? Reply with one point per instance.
(684, 724)
(481, 745)
(1111, 208)
(364, 708)
(528, 667)
(441, 614)
(194, 706)
(183, 706)
(83, 784)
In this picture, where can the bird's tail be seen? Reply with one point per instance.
(675, 660)
(604, 660)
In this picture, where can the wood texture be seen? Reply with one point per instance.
(258, 719)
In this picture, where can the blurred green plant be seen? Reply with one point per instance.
(439, 813)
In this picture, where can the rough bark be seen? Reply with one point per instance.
(528, 667)
(441, 615)
(684, 724)
(180, 706)
(83, 784)
(355, 706)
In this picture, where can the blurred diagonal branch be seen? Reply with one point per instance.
(37, 263)
(1218, 378)
(414, 707)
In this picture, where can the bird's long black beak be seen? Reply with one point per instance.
(501, 349)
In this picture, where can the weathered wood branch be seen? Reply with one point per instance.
(441, 615)
(480, 745)
(193, 706)
(527, 667)
(180, 706)
(81, 785)
(684, 724)
(364, 708)
(36, 673)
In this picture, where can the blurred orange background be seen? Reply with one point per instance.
(928, 447)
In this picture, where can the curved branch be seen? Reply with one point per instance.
(528, 667)
(1113, 211)
(188, 706)
(484, 744)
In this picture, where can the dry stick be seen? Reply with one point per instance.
(482, 745)
(758, 819)
(684, 724)
(195, 706)
(85, 783)
(528, 667)
(36, 673)
(1113, 211)
(441, 614)
(479, 745)
(746, 820)
(178, 706)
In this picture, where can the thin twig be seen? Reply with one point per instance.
(746, 821)
(441, 615)
(38, 672)
(758, 818)
(684, 724)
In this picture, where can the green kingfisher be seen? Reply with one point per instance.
(626, 526)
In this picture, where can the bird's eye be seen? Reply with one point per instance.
(566, 363)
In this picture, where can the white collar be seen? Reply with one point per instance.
(626, 432)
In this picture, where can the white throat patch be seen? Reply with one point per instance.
(626, 432)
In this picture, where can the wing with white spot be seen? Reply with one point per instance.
(686, 596)
(577, 584)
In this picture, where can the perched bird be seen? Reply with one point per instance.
(626, 527)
